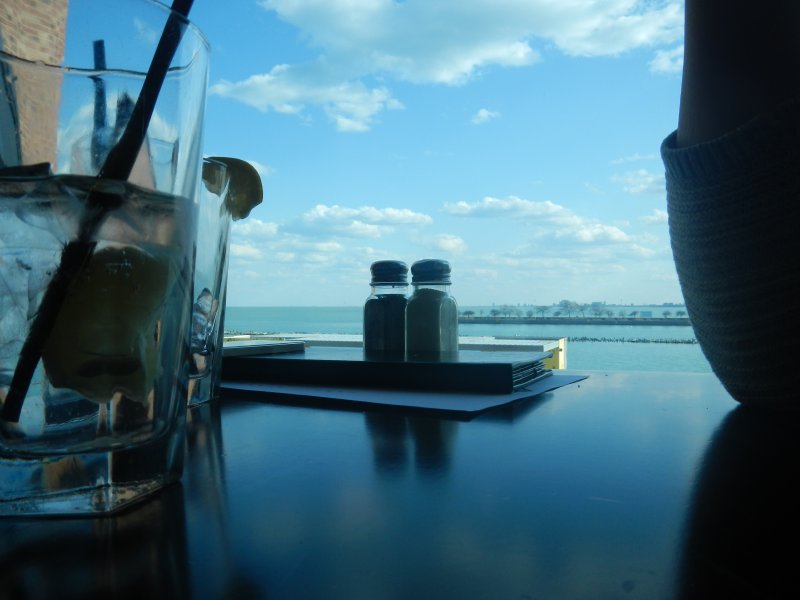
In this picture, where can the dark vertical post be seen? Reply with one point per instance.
(99, 126)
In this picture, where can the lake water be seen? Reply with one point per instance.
(659, 348)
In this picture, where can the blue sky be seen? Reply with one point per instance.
(517, 139)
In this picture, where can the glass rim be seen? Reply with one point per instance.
(197, 31)
(190, 25)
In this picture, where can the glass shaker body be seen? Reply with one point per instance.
(431, 313)
(385, 311)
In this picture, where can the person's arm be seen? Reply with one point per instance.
(741, 58)
(733, 193)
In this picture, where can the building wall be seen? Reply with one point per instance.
(34, 30)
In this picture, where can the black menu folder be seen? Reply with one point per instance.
(473, 371)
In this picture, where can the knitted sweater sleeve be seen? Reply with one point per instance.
(734, 220)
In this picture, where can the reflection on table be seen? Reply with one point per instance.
(136, 554)
(624, 485)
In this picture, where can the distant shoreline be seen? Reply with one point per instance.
(658, 321)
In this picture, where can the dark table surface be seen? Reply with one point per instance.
(625, 485)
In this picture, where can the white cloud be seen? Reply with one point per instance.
(360, 229)
(444, 42)
(252, 240)
(362, 222)
(548, 218)
(641, 181)
(253, 227)
(147, 33)
(593, 232)
(318, 257)
(449, 243)
(590, 28)
(421, 42)
(642, 251)
(261, 169)
(484, 115)
(448, 40)
(511, 206)
(74, 138)
(351, 105)
(371, 214)
(658, 217)
(328, 246)
(546, 242)
(245, 251)
(668, 61)
(636, 157)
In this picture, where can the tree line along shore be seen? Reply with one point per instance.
(575, 320)
(568, 312)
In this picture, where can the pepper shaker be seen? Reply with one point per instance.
(385, 310)
(431, 313)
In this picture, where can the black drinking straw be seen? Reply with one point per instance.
(118, 165)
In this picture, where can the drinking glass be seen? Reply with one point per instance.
(95, 259)
(210, 284)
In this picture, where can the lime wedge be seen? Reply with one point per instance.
(244, 190)
(105, 340)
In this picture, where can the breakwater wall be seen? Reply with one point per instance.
(631, 340)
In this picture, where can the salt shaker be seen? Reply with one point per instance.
(431, 313)
(385, 310)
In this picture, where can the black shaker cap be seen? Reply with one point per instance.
(389, 271)
(430, 270)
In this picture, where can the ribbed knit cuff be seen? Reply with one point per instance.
(734, 213)
(737, 154)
